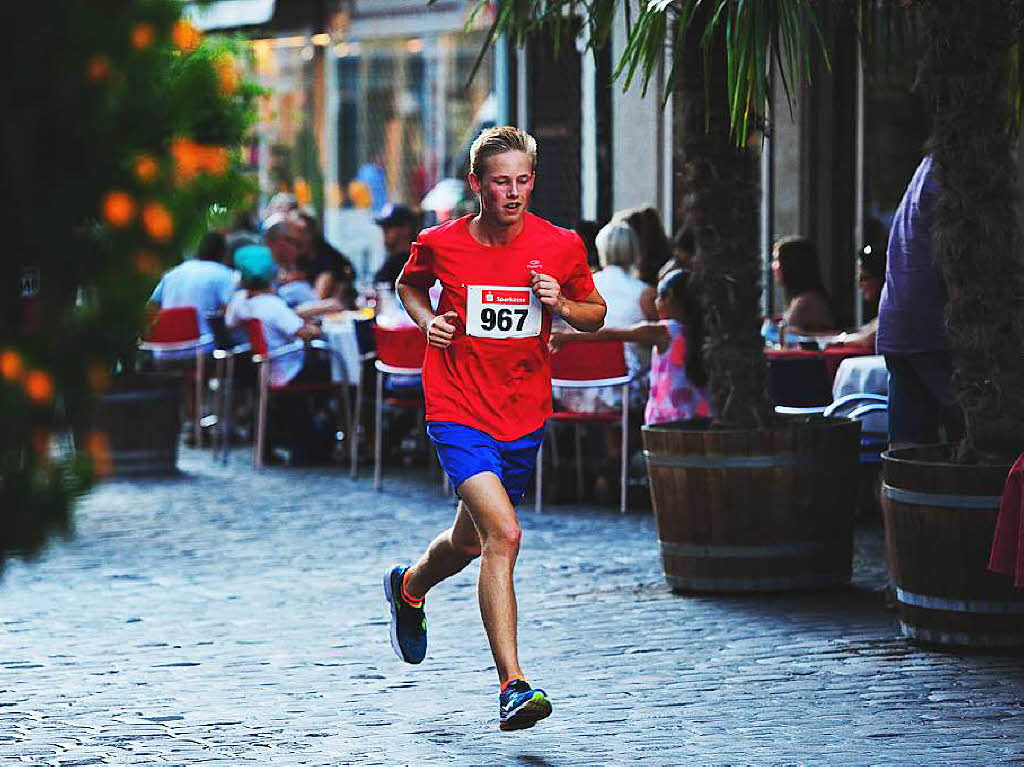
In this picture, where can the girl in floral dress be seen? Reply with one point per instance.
(678, 379)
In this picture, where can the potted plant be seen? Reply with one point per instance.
(743, 502)
(940, 503)
(117, 141)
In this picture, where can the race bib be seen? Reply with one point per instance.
(500, 311)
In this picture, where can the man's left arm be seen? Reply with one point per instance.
(586, 314)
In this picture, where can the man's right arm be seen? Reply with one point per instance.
(436, 327)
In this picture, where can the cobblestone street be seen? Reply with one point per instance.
(225, 617)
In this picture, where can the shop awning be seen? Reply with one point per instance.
(229, 14)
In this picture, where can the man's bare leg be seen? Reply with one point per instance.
(499, 534)
(447, 554)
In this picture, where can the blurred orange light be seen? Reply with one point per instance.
(184, 36)
(146, 168)
(97, 68)
(143, 35)
(11, 366)
(118, 208)
(98, 446)
(39, 386)
(157, 221)
(302, 193)
(99, 377)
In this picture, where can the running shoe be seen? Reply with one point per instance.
(408, 624)
(520, 706)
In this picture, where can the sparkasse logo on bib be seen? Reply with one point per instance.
(507, 297)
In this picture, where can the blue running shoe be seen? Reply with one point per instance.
(408, 624)
(520, 706)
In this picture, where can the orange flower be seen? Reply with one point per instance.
(99, 377)
(98, 446)
(118, 208)
(97, 68)
(39, 386)
(227, 74)
(184, 36)
(11, 365)
(146, 168)
(146, 262)
(143, 35)
(191, 158)
(157, 221)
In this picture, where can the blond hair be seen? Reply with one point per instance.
(499, 140)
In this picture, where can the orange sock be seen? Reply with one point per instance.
(409, 598)
(511, 679)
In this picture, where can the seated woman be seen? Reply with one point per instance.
(795, 268)
(678, 378)
(870, 279)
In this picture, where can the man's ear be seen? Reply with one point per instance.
(474, 183)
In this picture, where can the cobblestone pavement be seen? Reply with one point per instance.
(224, 617)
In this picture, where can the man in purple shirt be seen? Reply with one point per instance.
(911, 326)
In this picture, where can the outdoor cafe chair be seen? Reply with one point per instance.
(227, 350)
(177, 330)
(872, 410)
(798, 381)
(399, 353)
(367, 345)
(584, 366)
(263, 357)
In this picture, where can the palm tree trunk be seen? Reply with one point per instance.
(964, 73)
(720, 202)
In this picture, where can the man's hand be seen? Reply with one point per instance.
(440, 330)
(547, 289)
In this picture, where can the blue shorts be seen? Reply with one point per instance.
(465, 451)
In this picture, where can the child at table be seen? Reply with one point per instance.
(678, 379)
(301, 421)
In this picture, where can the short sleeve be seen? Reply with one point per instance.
(579, 283)
(285, 319)
(419, 268)
(236, 312)
(226, 288)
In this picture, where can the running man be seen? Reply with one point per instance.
(487, 383)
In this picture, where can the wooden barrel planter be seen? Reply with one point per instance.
(754, 510)
(141, 418)
(939, 522)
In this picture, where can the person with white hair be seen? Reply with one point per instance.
(630, 302)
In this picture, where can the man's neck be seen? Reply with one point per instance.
(488, 232)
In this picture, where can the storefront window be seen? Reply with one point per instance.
(407, 118)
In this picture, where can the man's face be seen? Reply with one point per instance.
(284, 246)
(304, 234)
(504, 187)
(397, 238)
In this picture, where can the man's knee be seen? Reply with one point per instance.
(505, 539)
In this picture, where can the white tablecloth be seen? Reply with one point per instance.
(859, 375)
(340, 334)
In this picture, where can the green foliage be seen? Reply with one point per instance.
(759, 34)
(121, 132)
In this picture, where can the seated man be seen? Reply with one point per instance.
(290, 283)
(203, 283)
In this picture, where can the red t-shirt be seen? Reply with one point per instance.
(496, 374)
